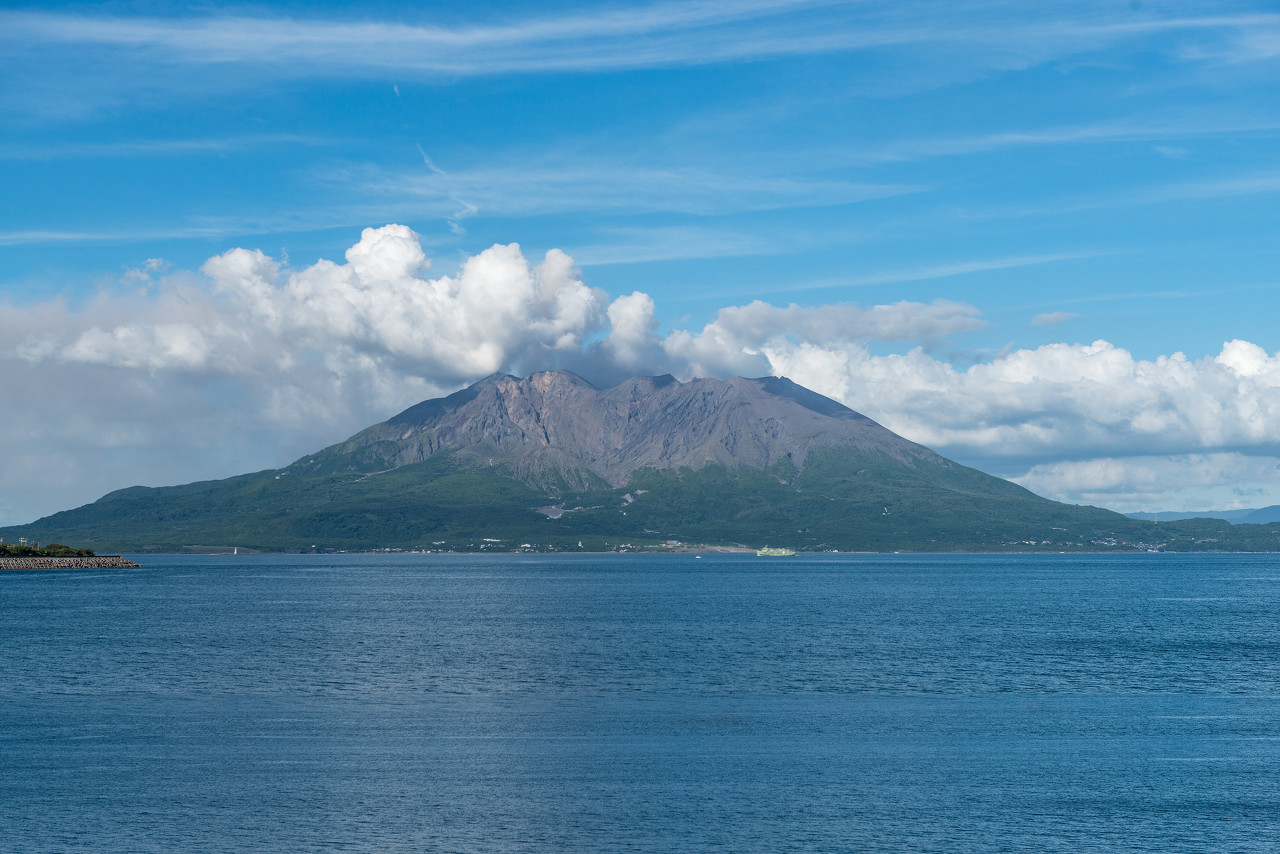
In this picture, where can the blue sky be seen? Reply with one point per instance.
(1040, 238)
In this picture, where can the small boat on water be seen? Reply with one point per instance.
(775, 552)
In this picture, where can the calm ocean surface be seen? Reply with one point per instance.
(876, 703)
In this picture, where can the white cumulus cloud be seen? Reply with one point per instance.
(1055, 400)
(497, 311)
(1214, 481)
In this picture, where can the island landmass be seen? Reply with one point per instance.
(553, 463)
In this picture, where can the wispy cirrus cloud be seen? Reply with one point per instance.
(657, 35)
(1135, 129)
(543, 184)
(1253, 183)
(1052, 318)
(27, 237)
(947, 270)
(631, 245)
(172, 147)
(559, 183)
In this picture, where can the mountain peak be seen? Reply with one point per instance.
(551, 459)
(556, 425)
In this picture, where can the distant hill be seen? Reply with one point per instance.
(1263, 516)
(1253, 516)
(552, 462)
(1233, 516)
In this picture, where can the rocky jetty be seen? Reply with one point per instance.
(98, 562)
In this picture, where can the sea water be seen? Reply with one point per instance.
(876, 703)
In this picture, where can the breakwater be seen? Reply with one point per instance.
(99, 562)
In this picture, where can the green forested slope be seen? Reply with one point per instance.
(840, 500)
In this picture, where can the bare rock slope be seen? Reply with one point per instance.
(555, 425)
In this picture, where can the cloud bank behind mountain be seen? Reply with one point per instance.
(167, 377)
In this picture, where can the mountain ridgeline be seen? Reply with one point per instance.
(554, 431)
(550, 462)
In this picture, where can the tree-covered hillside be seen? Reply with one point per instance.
(838, 501)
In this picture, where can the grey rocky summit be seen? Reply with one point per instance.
(555, 425)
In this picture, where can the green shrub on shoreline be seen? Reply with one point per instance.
(51, 550)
